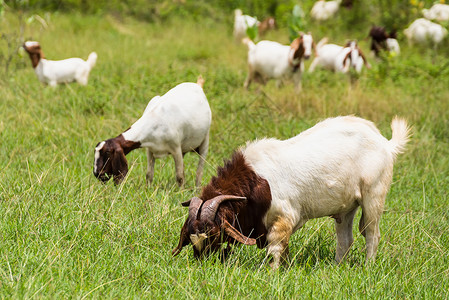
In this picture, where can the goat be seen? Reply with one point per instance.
(339, 59)
(52, 72)
(324, 10)
(422, 31)
(173, 124)
(438, 12)
(242, 23)
(267, 24)
(268, 59)
(382, 40)
(271, 188)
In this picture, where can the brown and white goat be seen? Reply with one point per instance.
(381, 40)
(53, 72)
(174, 124)
(266, 25)
(271, 188)
(339, 59)
(267, 60)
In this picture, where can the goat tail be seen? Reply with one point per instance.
(401, 134)
(200, 81)
(92, 59)
(249, 43)
(322, 42)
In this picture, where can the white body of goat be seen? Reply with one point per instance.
(242, 23)
(173, 124)
(438, 12)
(339, 59)
(328, 170)
(393, 46)
(423, 31)
(323, 10)
(53, 72)
(271, 60)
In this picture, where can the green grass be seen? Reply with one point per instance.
(64, 234)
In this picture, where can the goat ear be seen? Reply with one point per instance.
(119, 165)
(367, 64)
(346, 62)
(183, 239)
(237, 235)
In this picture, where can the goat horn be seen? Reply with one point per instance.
(237, 235)
(194, 205)
(210, 207)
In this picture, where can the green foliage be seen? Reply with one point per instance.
(296, 22)
(252, 32)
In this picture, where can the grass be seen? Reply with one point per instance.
(64, 234)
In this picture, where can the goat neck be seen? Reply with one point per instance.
(127, 145)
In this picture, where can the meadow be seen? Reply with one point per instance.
(63, 234)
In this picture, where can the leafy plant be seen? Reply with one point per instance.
(296, 22)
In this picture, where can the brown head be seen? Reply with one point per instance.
(267, 24)
(378, 37)
(301, 48)
(230, 209)
(206, 230)
(353, 55)
(110, 160)
(34, 51)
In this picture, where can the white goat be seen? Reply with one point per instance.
(174, 124)
(438, 12)
(242, 23)
(339, 59)
(423, 31)
(323, 10)
(53, 72)
(271, 188)
(268, 59)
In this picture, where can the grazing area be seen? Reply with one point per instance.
(65, 234)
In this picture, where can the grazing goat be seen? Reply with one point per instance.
(438, 12)
(174, 124)
(423, 31)
(53, 72)
(268, 59)
(242, 23)
(267, 24)
(339, 59)
(323, 10)
(382, 40)
(271, 188)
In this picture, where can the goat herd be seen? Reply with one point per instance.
(269, 188)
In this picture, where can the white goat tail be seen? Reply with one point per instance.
(200, 81)
(92, 59)
(322, 42)
(249, 43)
(400, 135)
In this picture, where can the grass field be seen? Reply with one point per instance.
(63, 234)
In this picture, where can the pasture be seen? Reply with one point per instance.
(63, 234)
